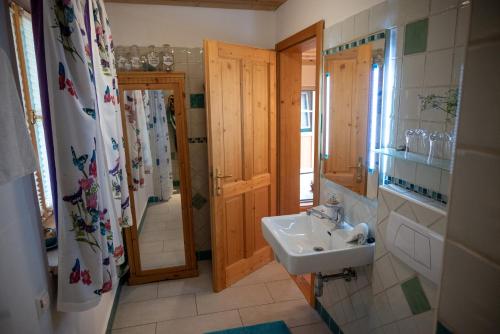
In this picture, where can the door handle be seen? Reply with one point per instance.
(359, 170)
(218, 177)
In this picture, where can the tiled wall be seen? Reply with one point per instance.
(395, 285)
(470, 293)
(190, 61)
(381, 300)
(435, 70)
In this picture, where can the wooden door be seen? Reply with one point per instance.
(349, 103)
(241, 119)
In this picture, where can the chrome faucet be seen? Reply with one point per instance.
(337, 210)
(318, 213)
(337, 218)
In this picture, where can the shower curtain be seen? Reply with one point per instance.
(93, 199)
(160, 144)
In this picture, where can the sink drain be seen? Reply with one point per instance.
(318, 249)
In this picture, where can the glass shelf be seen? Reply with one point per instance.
(418, 158)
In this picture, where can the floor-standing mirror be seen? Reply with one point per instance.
(160, 243)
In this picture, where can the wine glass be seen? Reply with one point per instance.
(409, 141)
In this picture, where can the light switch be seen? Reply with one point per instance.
(405, 240)
(422, 250)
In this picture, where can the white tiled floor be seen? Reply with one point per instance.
(189, 306)
(161, 240)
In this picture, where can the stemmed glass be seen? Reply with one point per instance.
(409, 141)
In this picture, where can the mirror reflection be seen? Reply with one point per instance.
(151, 134)
(353, 86)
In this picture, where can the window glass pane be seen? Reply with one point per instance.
(30, 58)
(307, 108)
(43, 161)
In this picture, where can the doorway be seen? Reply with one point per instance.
(299, 58)
(299, 67)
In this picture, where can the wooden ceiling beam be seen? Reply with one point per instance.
(269, 5)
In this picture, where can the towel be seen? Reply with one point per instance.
(17, 157)
(358, 233)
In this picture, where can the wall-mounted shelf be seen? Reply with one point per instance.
(418, 158)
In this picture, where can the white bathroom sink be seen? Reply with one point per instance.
(307, 244)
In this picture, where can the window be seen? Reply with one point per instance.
(306, 110)
(28, 77)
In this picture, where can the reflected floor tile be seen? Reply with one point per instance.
(163, 259)
(284, 290)
(270, 272)
(136, 293)
(151, 247)
(200, 324)
(319, 328)
(149, 236)
(154, 310)
(293, 313)
(232, 298)
(150, 226)
(173, 245)
(202, 283)
(144, 329)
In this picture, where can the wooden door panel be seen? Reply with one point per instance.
(241, 139)
(234, 219)
(262, 209)
(232, 118)
(260, 105)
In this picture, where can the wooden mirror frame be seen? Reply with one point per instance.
(160, 81)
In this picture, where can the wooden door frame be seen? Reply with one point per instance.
(313, 31)
(160, 81)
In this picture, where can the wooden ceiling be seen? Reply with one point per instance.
(270, 5)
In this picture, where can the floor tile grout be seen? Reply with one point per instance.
(196, 295)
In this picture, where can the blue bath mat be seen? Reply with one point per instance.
(275, 327)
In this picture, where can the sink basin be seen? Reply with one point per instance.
(307, 244)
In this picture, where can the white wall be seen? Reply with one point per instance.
(295, 15)
(188, 26)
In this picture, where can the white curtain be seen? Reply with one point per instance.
(88, 150)
(160, 144)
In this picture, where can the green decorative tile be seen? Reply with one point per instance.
(416, 37)
(415, 296)
(199, 201)
(197, 100)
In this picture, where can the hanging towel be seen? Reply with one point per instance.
(359, 233)
(16, 151)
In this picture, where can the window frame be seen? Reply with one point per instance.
(309, 111)
(17, 13)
